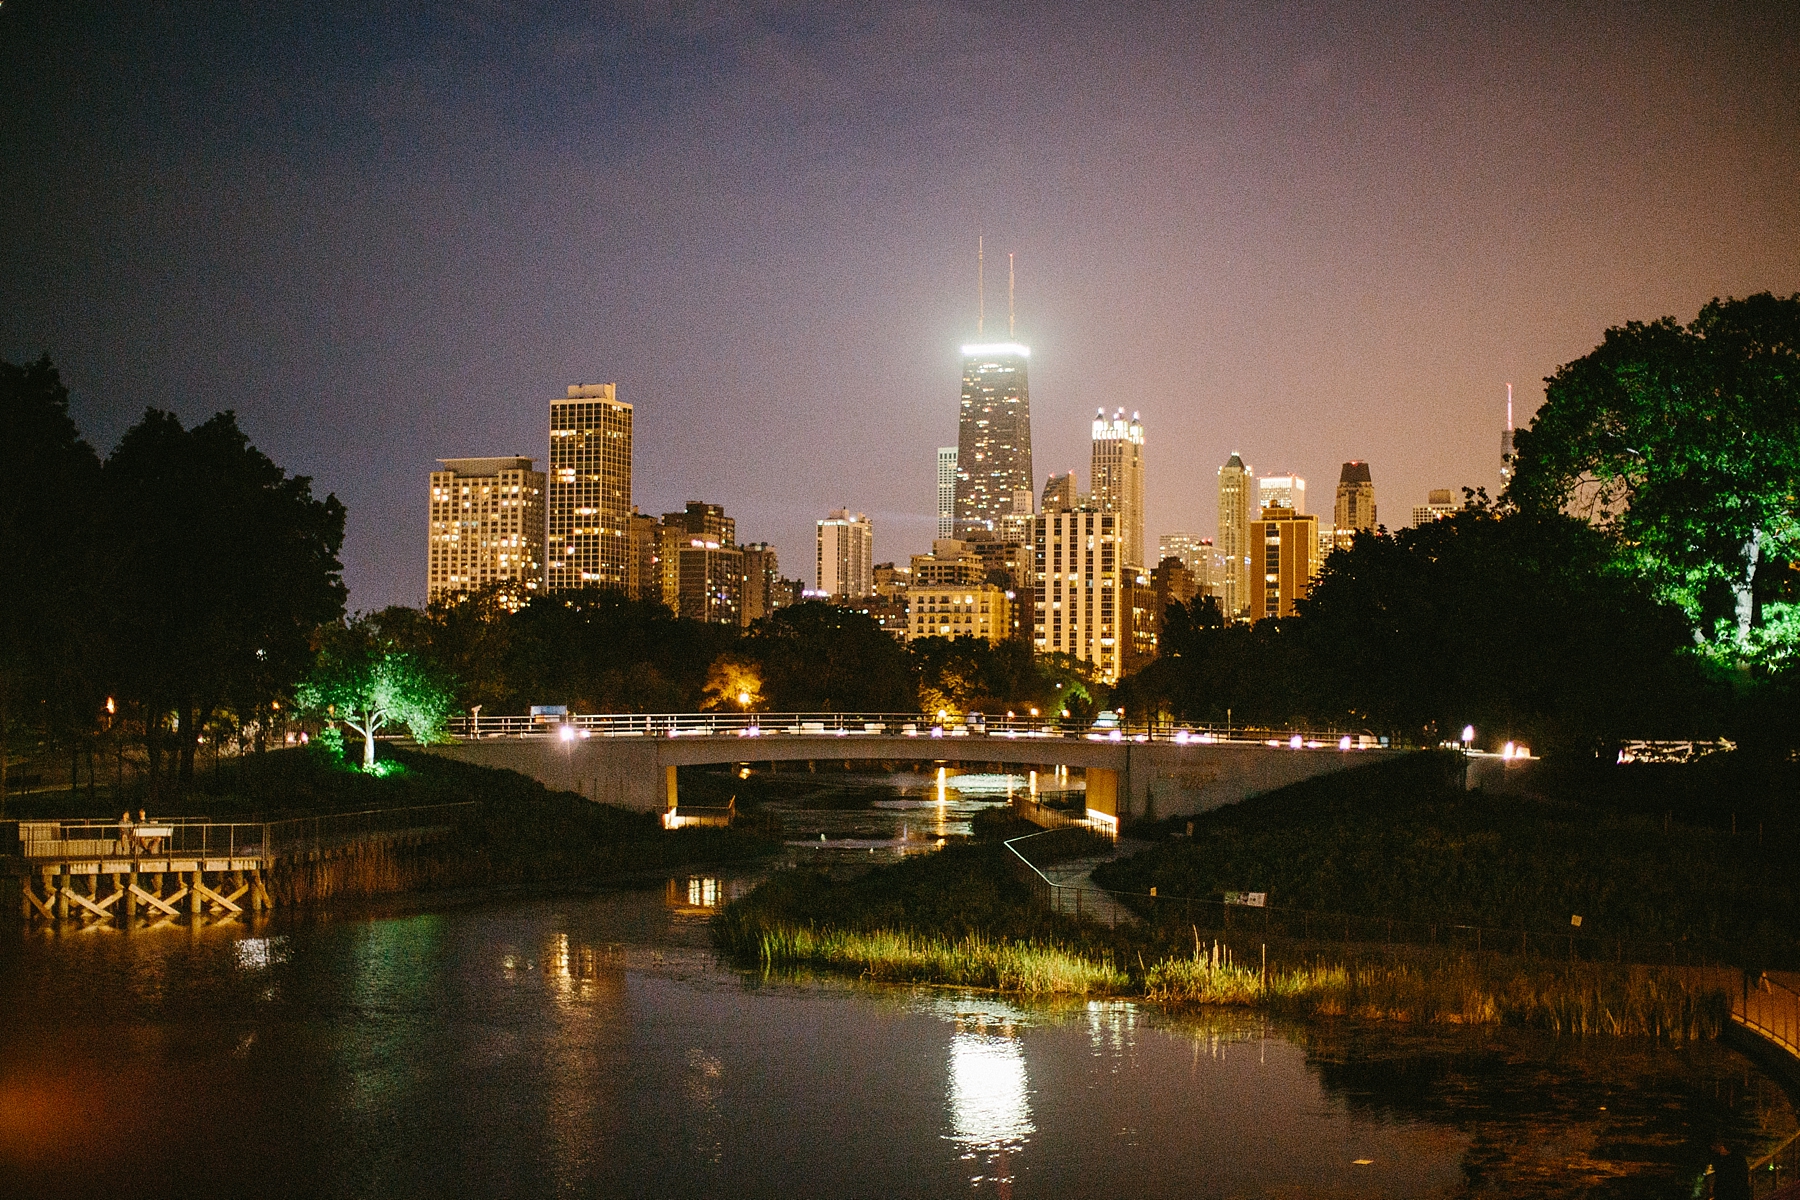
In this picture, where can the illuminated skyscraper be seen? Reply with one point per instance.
(993, 436)
(846, 561)
(1235, 504)
(487, 526)
(1355, 507)
(1285, 545)
(587, 542)
(1281, 491)
(1438, 504)
(1080, 589)
(1118, 479)
(1506, 443)
(946, 491)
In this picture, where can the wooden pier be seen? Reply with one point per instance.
(192, 867)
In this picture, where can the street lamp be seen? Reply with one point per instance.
(1468, 735)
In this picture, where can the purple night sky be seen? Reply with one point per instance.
(386, 234)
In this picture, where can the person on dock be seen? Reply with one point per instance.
(1731, 1174)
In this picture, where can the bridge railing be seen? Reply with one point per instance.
(201, 837)
(1010, 725)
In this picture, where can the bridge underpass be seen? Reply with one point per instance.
(632, 760)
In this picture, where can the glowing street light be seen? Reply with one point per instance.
(1468, 735)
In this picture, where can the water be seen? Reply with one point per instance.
(591, 1046)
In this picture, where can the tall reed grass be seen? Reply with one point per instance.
(972, 961)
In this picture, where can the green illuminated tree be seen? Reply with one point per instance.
(368, 687)
(1683, 444)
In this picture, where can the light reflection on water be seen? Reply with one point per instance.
(592, 1046)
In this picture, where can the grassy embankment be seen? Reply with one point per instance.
(521, 834)
(1399, 839)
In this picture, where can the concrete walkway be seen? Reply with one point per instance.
(1077, 874)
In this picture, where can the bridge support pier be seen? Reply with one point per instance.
(670, 791)
(1103, 793)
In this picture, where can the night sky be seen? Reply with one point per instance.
(386, 234)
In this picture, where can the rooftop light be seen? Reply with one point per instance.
(996, 350)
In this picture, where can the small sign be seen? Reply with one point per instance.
(1575, 920)
(1249, 899)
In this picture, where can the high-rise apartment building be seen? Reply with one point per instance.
(1060, 493)
(700, 564)
(1281, 491)
(761, 574)
(486, 527)
(587, 541)
(1354, 510)
(1235, 511)
(993, 436)
(1079, 580)
(645, 559)
(980, 610)
(946, 491)
(1284, 544)
(1117, 478)
(951, 563)
(1437, 506)
(846, 557)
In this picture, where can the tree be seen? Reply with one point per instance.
(733, 684)
(818, 657)
(51, 617)
(222, 566)
(369, 686)
(1683, 445)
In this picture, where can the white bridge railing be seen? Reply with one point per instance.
(572, 726)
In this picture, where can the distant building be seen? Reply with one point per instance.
(1078, 580)
(892, 581)
(1196, 553)
(711, 584)
(1117, 477)
(1174, 583)
(980, 611)
(1060, 494)
(993, 436)
(951, 563)
(645, 557)
(946, 491)
(1235, 511)
(588, 494)
(1354, 509)
(846, 556)
(1281, 491)
(1437, 506)
(1285, 544)
(486, 527)
(761, 574)
(1141, 621)
(1506, 443)
(1015, 526)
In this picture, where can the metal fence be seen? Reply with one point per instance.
(1770, 1008)
(1271, 922)
(1775, 1170)
(1008, 725)
(200, 837)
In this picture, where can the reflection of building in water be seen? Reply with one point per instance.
(990, 1108)
(700, 894)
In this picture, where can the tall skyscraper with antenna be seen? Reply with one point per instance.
(993, 436)
(1506, 443)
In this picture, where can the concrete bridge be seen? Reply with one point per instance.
(631, 760)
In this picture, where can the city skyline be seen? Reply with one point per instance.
(1329, 237)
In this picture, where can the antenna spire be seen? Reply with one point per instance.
(1509, 423)
(980, 285)
(1009, 294)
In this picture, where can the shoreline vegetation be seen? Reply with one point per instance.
(1390, 840)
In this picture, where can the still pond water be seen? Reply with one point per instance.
(592, 1046)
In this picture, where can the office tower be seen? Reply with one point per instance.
(1078, 580)
(486, 527)
(1060, 493)
(1284, 544)
(1354, 510)
(1281, 491)
(1196, 554)
(946, 491)
(1015, 524)
(586, 542)
(1437, 506)
(993, 436)
(1117, 477)
(1234, 538)
(846, 560)
(1506, 443)
(761, 573)
(710, 584)
(645, 559)
(979, 610)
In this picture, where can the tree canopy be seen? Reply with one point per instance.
(362, 680)
(1682, 444)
